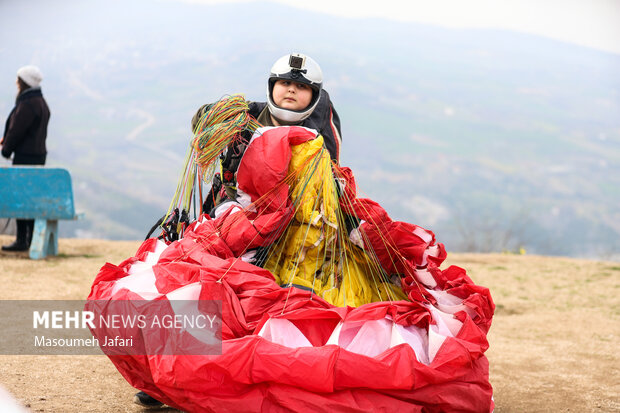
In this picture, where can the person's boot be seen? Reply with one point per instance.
(29, 231)
(21, 243)
(144, 400)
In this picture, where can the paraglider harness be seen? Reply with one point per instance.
(224, 184)
(174, 226)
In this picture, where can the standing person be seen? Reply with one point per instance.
(24, 137)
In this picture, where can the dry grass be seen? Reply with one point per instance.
(553, 342)
(555, 333)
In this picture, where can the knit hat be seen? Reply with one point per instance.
(31, 75)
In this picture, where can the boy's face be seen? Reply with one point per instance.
(291, 95)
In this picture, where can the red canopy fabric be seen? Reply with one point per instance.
(286, 349)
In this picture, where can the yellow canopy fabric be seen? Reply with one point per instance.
(315, 251)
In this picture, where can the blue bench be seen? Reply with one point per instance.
(42, 194)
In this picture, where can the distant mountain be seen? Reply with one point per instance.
(493, 139)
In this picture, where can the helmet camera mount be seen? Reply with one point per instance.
(296, 63)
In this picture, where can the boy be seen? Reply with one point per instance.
(295, 96)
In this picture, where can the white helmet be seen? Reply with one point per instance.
(298, 68)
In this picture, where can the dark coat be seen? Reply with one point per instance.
(25, 130)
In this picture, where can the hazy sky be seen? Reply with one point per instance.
(592, 23)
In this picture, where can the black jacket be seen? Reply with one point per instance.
(25, 130)
(323, 119)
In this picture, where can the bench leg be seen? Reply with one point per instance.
(44, 238)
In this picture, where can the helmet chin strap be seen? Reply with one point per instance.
(283, 122)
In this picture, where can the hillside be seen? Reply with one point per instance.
(496, 140)
(553, 343)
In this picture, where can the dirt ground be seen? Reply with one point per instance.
(554, 339)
